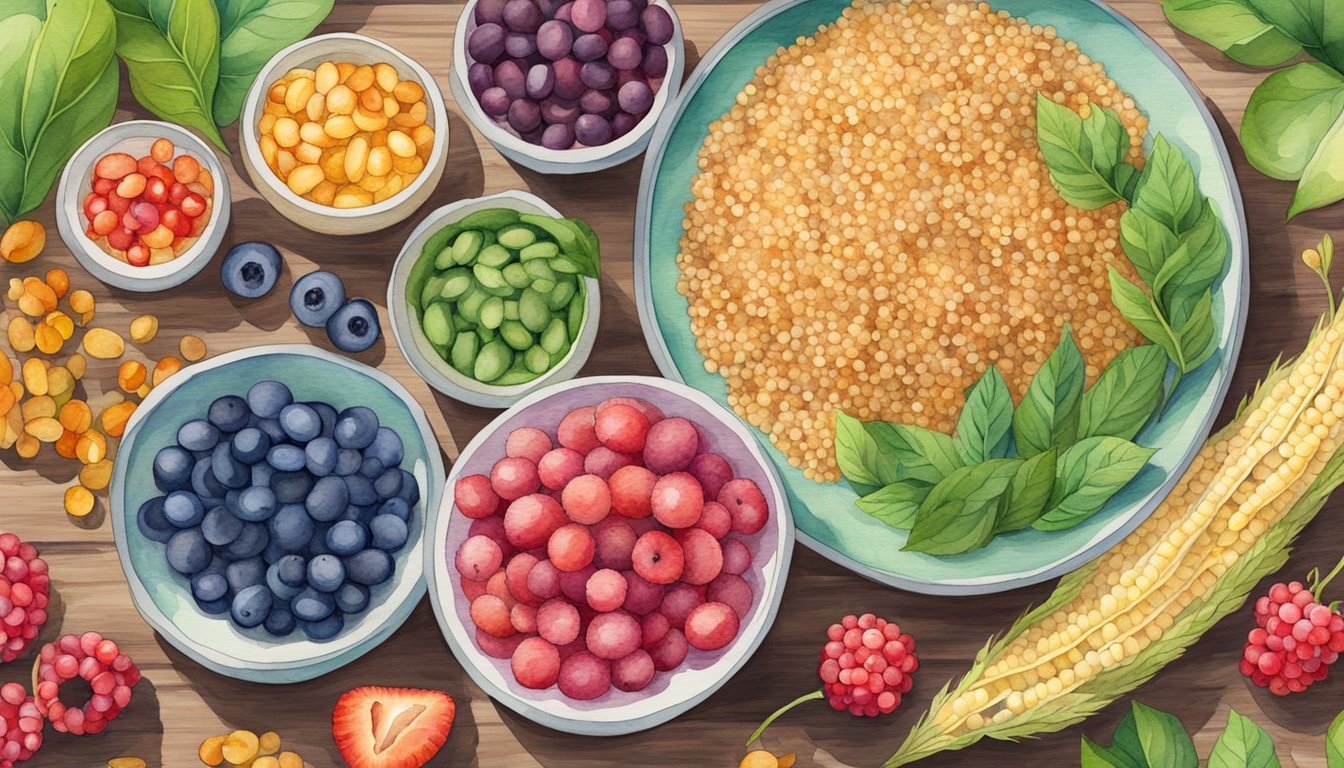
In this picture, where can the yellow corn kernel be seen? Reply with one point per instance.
(92, 447)
(22, 336)
(408, 92)
(370, 122)
(412, 117)
(144, 328)
(62, 323)
(67, 445)
(388, 190)
(290, 760)
(356, 158)
(211, 751)
(103, 344)
(299, 92)
(7, 401)
(46, 429)
(324, 193)
(386, 76)
(361, 78)
(58, 280)
(286, 132)
(316, 108)
(192, 348)
(23, 241)
(77, 366)
(240, 746)
(307, 154)
(268, 761)
(131, 375)
(114, 418)
(47, 339)
(35, 376)
(125, 762)
(79, 502)
(268, 743)
(341, 100)
(27, 446)
(38, 299)
(97, 475)
(166, 367)
(303, 178)
(76, 416)
(81, 302)
(35, 408)
(352, 197)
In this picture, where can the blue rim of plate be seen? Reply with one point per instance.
(1219, 380)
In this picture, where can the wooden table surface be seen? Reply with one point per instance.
(178, 703)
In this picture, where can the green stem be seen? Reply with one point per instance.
(1329, 293)
(772, 718)
(1318, 589)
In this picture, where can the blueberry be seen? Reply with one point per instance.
(346, 538)
(272, 429)
(251, 605)
(245, 573)
(183, 509)
(230, 472)
(328, 499)
(369, 567)
(256, 504)
(291, 528)
(262, 474)
(251, 269)
(293, 570)
(273, 553)
(348, 462)
(387, 448)
(388, 484)
(397, 507)
(318, 544)
(326, 573)
(206, 586)
(267, 398)
(326, 629)
(356, 427)
(389, 533)
(198, 435)
(277, 585)
(371, 468)
(410, 489)
(214, 607)
(220, 527)
(327, 415)
(188, 552)
(287, 458)
(153, 523)
(203, 482)
(291, 487)
(251, 541)
(360, 489)
(311, 605)
(352, 598)
(172, 469)
(280, 621)
(322, 455)
(229, 413)
(300, 422)
(361, 515)
(316, 297)
(250, 445)
(354, 327)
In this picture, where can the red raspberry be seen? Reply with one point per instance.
(24, 588)
(110, 673)
(20, 725)
(1296, 639)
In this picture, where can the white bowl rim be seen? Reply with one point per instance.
(497, 134)
(710, 678)
(249, 141)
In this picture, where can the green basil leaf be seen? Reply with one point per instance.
(1125, 395)
(1096, 756)
(1235, 28)
(1288, 116)
(895, 504)
(1084, 156)
(171, 50)
(1048, 413)
(1196, 332)
(1196, 263)
(1147, 243)
(1334, 743)
(1323, 179)
(1167, 189)
(1243, 744)
(1090, 472)
(1138, 308)
(251, 32)
(1028, 492)
(1163, 739)
(918, 454)
(1125, 741)
(986, 421)
(58, 87)
(858, 455)
(958, 514)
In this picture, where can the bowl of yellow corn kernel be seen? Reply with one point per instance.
(344, 134)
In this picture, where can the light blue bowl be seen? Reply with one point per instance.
(826, 517)
(163, 596)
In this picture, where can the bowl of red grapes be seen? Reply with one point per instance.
(567, 86)
(608, 552)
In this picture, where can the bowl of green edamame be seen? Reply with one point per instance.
(496, 296)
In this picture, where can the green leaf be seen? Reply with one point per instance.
(1048, 413)
(58, 87)
(1243, 744)
(1147, 243)
(1125, 740)
(1028, 492)
(1323, 179)
(858, 455)
(895, 504)
(1163, 739)
(1334, 743)
(1138, 308)
(1085, 157)
(1312, 23)
(1167, 190)
(1235, 28)
(171, 49)
(1126, 394)
(919, 454)
(986, 420)
(1096, 756)
(958, 515)
(35, 8)
(251, 32)
(1288, 116)
(1197, 337)
(1090, 472)
(1194, 266)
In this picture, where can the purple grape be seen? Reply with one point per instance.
(657, 24)
(592, 131)
(624, 54)
(621, 14)
(640, 5)
(595, 74)
(655, 61)
(635, 34)
(624, 76)
(548, 8)
(590, 47)
(524, 115)
(519, 46)
(565, 13)
(531, 137)
(635, 97)
(554, 39)
(480, 77)
(540, 81)
(589, 15)
(486, 43)
(623, 123)
(522, 16)
(490, 11)
(555, 110)
(568, 83)
(495, 101)
(510, 76)
(558, 136)
(597, 103)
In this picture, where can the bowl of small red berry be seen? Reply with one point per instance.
(609, 552)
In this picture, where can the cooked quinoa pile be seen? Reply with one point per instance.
(873, 225)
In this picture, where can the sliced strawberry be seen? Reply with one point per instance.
(377, 727)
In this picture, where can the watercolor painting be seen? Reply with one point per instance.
(647, 383)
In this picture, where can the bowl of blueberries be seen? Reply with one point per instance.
(268, 507)
(567, 86)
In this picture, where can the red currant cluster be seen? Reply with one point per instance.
(867, 665)
(24, 587)
(20, 725)
(110, 673)
(1295, 641)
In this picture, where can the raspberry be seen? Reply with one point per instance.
(20, 725)
(110, 673)
(24, 588)
(1296, 637)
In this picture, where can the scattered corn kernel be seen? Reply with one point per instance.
(15, 288)
(211, 751)
(35, 408)
(23, 241)
(131, 375)
(144, 328)
(290, 760)
(82, 302)
(22, 336)
(68, 445)
(166, 367)
(97, 475)
(47, 339)
(60, 381)
(144, 391)
(114, 419)
(62, 323)
(76, 416)
(27, 446)
(35, 376)
(79, 502)
(125, 762)
(46, 429)
(92, 447)
(58, 280)
(240, 746)
(267, 761)
(7, 400)
(77, 366)
(103, 344)
(269, 742)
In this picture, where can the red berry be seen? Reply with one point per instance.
(24, 589)
(110, 675)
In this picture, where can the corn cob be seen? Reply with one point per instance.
(1113, 624)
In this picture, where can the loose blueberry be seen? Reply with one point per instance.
(291, 487)
(277, 585)
(356, 428)
(251, 269)
(328, 499)
(369, 567)
(266, 398)
(300, 422)
(312, 605)
(251, 541)
(326, 629)
(321, 456)
(207, 586)
(352, 598)
(250, 445)
(188, 552)
(354, 327)
(251, 605)
(245, 573)
(172, 469)
(198, 435)
(183, 509)
(230, 472)
(287, 458)
(316, 297)
(153, 524)
(256, 504)
(220, 527)
(280, 621)
(389, 533)
(229, 413)
(326, 573)
(346, 538)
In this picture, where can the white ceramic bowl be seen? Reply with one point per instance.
(703, 672)
(357, 49)
(563, 161)
(421, 354)
(135, 138)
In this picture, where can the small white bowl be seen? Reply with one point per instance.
(422, 355)
(135, 138)
(563, 161)
(356, 49)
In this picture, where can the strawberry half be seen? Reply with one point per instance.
(377, 727)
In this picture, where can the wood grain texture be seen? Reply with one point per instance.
(179, 703)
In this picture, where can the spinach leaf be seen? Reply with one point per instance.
(859, 458)
(1048, 413)
(58, 87)
(1167, 188)
(251, 32)
(1096, 756)
(1147, 243)
(986, 420)
(1028, 492)
(917, 454)
(1086, 157)
(35, 8)
(1195, 264)
(1334, 743)
(1197, 335)
(1163, 739)
(1125, 395)
(1288, 115)
(958, 514)
(895, 504)
(171, 50)
(1234, 27)
(1139, 309)
(1243, 744)
(1323, 178)
(1090, 472)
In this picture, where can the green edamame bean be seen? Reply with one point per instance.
(444, 259)
(505, 291)
(456, 283)
(466, 246)
(564, 265)
(578, 311)
(533, 311)
(431, 290)
(537, 360)
(510, 309)
(486, 335)
(554, 338)
(543, 286)
(492, 312)
(438, 325)
(516, 276)
(515, 335)
(470, 306)
(514, 376)
(516, 238)
(538, 270)
(539, 250)
(488, 277)
(561, 294)
(494, 256)
(461, 323)
(463, 355)
(494, 359)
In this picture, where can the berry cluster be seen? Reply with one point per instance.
(867, 665)
(1295, 641)
(110, 673)
(20, 725)
(24, 587)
